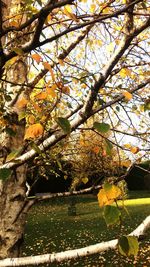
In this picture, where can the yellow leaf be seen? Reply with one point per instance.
(48, 19)
(117, 42)
(51, 91)
(36, 106)
(34, 131)
(125, 72)
(92, 8)
(66, 90)
(18, 51)
(110, 47)
(61, 62)
(43, 119)
(107, 10)
(31, 119)
(113, 193)
(126, 163)
(128, 146)
(84, 86)
(59, 85)
(141, 107)
(13, 23)
(85, 180)
(37, 58)
(104, 153)
(102, 198)
(109, 195)
(127, 95)
(99, 42)
(82, 142)
(48, 67)
(21, 103)
(134, 149)
(41, 96)
(68, 12)
(3, 122)
(96, 149)
(11, 61)
(68, 8)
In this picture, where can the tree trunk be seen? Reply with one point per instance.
(12, 217)
(13, 190)
(12, 202)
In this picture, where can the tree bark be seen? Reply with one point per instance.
(12, 200)
(12, 217)
(13, 190)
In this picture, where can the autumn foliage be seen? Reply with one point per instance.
(70, 68)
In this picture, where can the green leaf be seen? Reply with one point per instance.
(144, 5)
(36, 148)
(111, 214)
(128, 245)
(42, 34)
(147, 106)
(109, 147)
(10, 131)
(134, 245)
(18, 51)
(123, 245)
(64, 124)
(101, 127)
(13, 154)
(4, 173)
(21, 115)
(101, 101)
(8, 98)
(107, 186)
(69, 105)
(59, 164)
(118, 108)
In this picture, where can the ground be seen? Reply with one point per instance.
(50, 229)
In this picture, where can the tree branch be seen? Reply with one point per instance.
(44, 11)
(52, 140)
(121, 97)
(32, 45)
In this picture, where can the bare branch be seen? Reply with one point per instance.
(32, 45)
(43, 12)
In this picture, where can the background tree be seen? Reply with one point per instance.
(62, 62)
(92, 158)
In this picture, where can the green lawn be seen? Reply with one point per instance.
(50, 229)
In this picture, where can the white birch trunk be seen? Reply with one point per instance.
(12, 191)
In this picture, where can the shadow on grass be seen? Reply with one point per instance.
(50, 229)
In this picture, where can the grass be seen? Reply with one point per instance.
(50, 229)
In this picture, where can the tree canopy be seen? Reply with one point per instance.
(82, 59)
(62, 63)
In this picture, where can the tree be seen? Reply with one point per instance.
(62, 62)
(91, 161)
